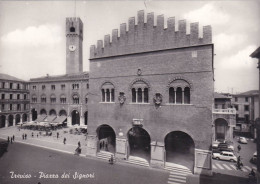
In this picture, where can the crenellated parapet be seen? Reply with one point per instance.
(143, 37)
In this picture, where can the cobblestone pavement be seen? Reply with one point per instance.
(48, 141)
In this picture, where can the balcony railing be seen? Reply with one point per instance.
(225, 111)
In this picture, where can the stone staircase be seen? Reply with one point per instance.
(104, 155)
(178, 173)
(137, 161)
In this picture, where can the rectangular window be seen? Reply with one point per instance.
(63, 86)
(18, 96)
(216, 106)
(87, 85)
(52, 87)
(235, 99)
(34, 87)
(3, 96)
(246, 99)
(3, 85)
(3, 107)
(223, 106)
(11, 96)
(75, 86)
(43, 87)
(246, 107)
(194, 54)
(18, 107)
(24, 106)
(24, 96)
(11, 107)
(11, 85)
(236, 107)
(246, 118)
(18, 86)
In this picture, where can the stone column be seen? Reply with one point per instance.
(110, 95)
(121, 148)
(69, 120)
(203, 162)
(92, 142)
(6, 122)
(175, 96)
(182, 97)
(136, 95)
(157, 154)
(105, 95)
(142, 95)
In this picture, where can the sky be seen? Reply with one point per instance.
(33, 41)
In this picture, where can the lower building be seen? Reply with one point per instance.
(14, 101)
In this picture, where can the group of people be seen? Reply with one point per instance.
(103, 145)
(10, 139)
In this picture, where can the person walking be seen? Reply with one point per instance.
(8, 139)
(37, 135)
(58, 135)
(64, 140)
(79, 144)
(13, 137)
(11, 140)
(23, 136)
(32, 134)
(239, 148)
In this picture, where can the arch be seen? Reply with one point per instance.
(176, 79)
(140, 91)
(221, 127)
(2, 121)
(180, 148)
(139, 81)
(139, 142)
(86, 118)
(17, 118)
(43, 98)
(62, 113)
(34, 114)
(10, 120)
(52, 112)
(75, 117)
(107, 138)
(43, 112)
(25, 117)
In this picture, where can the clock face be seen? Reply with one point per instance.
(72, 47)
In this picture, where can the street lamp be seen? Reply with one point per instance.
(256, 54)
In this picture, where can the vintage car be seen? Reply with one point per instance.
(225, 155)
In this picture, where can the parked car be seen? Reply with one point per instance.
(242, 140)
(254, 158)
(225, 155)
(225, 147)
(215, 144)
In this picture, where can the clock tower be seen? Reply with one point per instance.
(74, 38)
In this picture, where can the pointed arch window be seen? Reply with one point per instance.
(63, 99)
(43, 99)
(53, 98)
(75, 99)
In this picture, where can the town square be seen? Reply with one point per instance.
(129, 92)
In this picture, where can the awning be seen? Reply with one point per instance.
(40, 118)
(59, 119)
(50, 118)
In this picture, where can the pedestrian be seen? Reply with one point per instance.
(58, 135)
(13, 137)
(79, 144)
(106, 146)
(11, 140)
(32, 134)
(64, 140)
(23, 136)
(37, 135)
(111, 160)
(8, 139)
(239, 148)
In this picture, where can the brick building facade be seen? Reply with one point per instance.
(151, 93)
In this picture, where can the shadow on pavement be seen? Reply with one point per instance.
(3, 147)
(218, 178)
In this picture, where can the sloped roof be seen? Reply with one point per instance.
(219, 95)
(60, 77)
(9, 77)
(248, 93)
